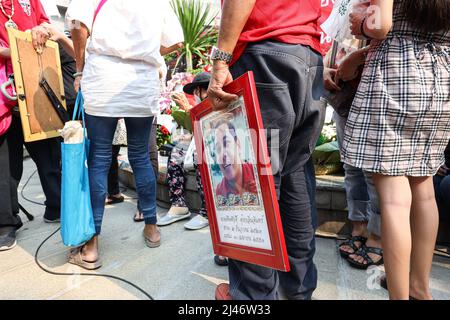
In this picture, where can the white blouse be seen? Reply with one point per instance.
(120, 77)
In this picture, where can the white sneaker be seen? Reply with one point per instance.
(197, 223)
(171, 218)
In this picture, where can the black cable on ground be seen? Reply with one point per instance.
(84, 274)
(70, 274)
(23, 188)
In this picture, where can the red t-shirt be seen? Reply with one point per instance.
(325, 40)
(27, 15)
(288, 21)
(224, 189)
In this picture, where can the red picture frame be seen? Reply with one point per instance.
(261, 253)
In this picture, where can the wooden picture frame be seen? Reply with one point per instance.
(245, 222)
(39, 119)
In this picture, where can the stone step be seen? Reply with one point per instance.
(330, 197)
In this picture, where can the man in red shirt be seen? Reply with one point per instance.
(280, 42)
(30, 15)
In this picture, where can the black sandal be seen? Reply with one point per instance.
(364, 253)
(137, 214)
(114, 200)
(351, 243)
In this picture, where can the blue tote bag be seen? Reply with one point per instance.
(77, 221)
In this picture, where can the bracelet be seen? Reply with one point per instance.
(78, 74)
(362, 29)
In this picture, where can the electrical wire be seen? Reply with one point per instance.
(23, 188)
(36, 255)
(83, 274)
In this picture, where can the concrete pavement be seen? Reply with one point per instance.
(181, 269)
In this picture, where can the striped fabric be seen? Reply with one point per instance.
(399, 123)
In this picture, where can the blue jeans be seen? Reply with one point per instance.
(442, 190)
(101, 133)
(362, 197)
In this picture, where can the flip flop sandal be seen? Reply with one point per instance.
(351, 243)
(364, 253)
(114, 200)
(152, 244)
(139, 219)
(76, 258)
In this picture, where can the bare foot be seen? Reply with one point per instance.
(151, 232)
(374, 242)
(359, 229)
(419, 292)
(138, 217)
(90, 250)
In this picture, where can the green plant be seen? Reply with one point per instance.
(182, 118)
(199, 31)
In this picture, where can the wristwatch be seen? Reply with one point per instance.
(217, 54)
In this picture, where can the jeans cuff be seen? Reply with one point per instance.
(150, 218)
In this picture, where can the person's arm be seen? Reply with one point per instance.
(172, 36)
(235, 14)
(376, 22)
(180, 99)
(60, 37)
(349, 67)
(79, 38)
(165, 51)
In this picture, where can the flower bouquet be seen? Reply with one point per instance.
(163, 136)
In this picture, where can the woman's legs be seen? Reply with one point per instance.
(198, 177)
(153, 153)
(176, 181)
(424, 228)
(395, 204)
(138, 133)
(100, 132)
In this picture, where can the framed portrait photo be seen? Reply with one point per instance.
(237, 179)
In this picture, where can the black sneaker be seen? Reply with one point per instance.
(7, 238)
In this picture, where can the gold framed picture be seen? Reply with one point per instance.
(39, 118)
